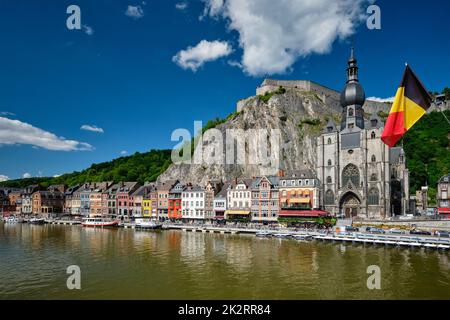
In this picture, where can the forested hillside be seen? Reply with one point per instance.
(139, 167)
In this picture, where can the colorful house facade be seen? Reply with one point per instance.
(265, 199)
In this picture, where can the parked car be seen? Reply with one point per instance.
(396, 231)
(443, 234)
(420, 232)
(351, 229)
(376, 230)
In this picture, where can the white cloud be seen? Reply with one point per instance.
(381, 99)
(274, 34)
(205, 51)
(57, 176)
(88, 30)
(123, 152)
(234, 63)
(135, 12)
(3, 178)
(26, 175)
(181, 6)
(17, 132)
(91, 128)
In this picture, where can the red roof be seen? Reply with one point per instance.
(303, 213)
(444, 210)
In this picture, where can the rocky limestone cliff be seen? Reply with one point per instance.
(299, 115)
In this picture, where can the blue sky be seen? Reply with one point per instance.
(122, 77)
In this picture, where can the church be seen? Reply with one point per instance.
(361, 176)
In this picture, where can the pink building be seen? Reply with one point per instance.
(124, 200)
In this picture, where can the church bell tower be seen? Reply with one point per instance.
(352, 98)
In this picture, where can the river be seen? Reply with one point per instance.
(131, 264)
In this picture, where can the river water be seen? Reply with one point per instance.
(130, 264)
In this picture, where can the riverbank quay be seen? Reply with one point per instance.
(423, 224)
(354, 238)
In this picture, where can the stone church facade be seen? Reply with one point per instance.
(361, 176)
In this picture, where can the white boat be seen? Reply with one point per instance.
(282, 235)
(36, 221)
(303, 237)
(147, 223)
(11, 220)
(99, 223)
(263, 234)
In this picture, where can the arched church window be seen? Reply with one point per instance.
(373, 135)
(350, 173)
(329, 162)
(350, 112)
(329, 140)
(329, 198)
(373, 177)
(373, 198)
(329, 180)
(374, 159)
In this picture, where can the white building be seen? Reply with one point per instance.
(360, 175)
(220, 203)
(193, 203)
(239, 198)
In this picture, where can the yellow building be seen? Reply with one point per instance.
(149, 202)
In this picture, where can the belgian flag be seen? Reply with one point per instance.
(411, 103)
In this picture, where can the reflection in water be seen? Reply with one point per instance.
(131, 264)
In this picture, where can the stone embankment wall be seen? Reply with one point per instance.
(427, 225)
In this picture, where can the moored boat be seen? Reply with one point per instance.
(36, 221)
(99, 223)
(263, 234)
(147, 223)
(11, 219)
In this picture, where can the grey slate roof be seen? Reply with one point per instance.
(330, 127)
(302, 174)
(273, 180)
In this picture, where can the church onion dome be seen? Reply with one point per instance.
(353, 93)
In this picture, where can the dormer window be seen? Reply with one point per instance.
(374, 123)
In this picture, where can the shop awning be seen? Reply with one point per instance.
(301, 200)
(444, 210)
(302, 213)
(237, 212)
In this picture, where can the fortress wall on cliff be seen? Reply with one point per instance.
(329, 96)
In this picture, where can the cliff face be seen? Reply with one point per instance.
(299, 115)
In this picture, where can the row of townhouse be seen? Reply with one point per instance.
(262, 199)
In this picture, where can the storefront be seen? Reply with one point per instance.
(238, 215)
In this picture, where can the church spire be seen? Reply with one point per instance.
(352, 97)
(352, 70)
